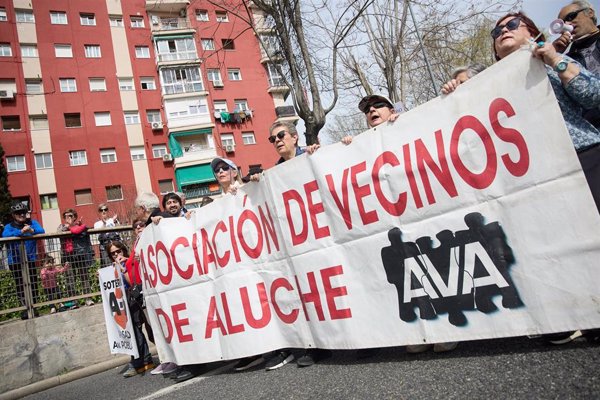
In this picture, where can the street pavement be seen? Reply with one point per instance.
(513, 368)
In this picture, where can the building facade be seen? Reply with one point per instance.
(101, 99)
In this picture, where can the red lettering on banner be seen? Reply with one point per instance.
(154, 277)
(516, 168)
(164, 279)
(187, 274)
(314, 209)
(397, 208)
(207, 250)
(285, 284)
(196, 255)
(268, 228)
(411, 176)
(343, 205)
(441, 171)
(144, 270)
(213, 320)
(360, 192)
(222, 261)
(234, 246)
(231, 328)
(264, 304)
(332, 292)
(311, 297)
(293, 195)
(486, 177)
(248, 215)
(180, 323)
(160, 313)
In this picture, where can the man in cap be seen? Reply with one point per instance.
(377, 109)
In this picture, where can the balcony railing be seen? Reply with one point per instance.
(200, 190)
(169, 24)
(187, 55)
(276, 81)
(183, 87)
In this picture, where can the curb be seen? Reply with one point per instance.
(61, 379)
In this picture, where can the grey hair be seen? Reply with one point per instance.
(148, 201)
(471, 70)
(586, 4)
(291, 128)
(181, 195)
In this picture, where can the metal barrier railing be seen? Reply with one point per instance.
(59, 270)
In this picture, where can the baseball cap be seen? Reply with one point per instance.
(367, 101)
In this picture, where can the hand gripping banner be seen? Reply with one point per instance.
(467, 218)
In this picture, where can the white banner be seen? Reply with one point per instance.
(119, 328)
(468, 218)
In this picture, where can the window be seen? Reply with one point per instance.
(240, 105)
(137, 22)
(102, 118)
(181, 80)
(114, 193)
(92, 51)
(33, 86)
(137, 153)
(43, 161)
(221, 16)
(11, 123)
(87, 19)
(248, 138)
(208, 44)
(214, 75)
(165, 186)
(3, 16)
(97, 84)
(147, 83)
(77, 157)
(25, 16)
(116, 20)
(227, 139)
(38, 122)
(125, 84)
(49, 201)
(234, 74)
(63, 51)
(72, 120)
(176, 49)
(227, 44)
(220, 106)
(58, 18)
(142, 52)
(15, 163)
(201, 15)
(108, 156)
(29, 50)
(83, 196)
(132, 117)
(153, 116)
(5, 50)
(68, 85)
(159, 150)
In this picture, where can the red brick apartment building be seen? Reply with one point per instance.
(101, 99)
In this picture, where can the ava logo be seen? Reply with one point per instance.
(463, 273)
(117, 305)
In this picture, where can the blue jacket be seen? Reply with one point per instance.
(13, 230)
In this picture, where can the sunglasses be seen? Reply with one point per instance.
(572, 15)
(510, 25)
(379, 104)
(114, 253)
(137, 226)
(20, 212)
(279, 135)
(223, 168)
(69, 216)
(103, 209)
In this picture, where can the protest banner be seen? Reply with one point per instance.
(467, 218)
(119, 328)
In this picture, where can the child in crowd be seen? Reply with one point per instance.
(49, 274)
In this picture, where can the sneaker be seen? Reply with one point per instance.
(89, 302)
(418, 348)
(249, 362)
(312, 356)
(563, 337)
(283, 357)
(444, 347)
(158, 370)
(130, 372)
(169, 367)
(53, 310)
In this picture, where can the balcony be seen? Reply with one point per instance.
(199, 190)
(277, 85)
(195, 154)
(168, 25)
(171, 6)
(285, 111)
(183, 87)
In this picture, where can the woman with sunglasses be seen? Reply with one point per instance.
(106, 222)
(226, 173)
(119, 254)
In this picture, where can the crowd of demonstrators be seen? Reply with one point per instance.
(104, 238)
(22, 227)
(49, 274)
(77, 250)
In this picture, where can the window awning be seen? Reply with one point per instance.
(194, 174)
(203, 131)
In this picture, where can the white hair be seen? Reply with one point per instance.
(148, 201)
(586, 4)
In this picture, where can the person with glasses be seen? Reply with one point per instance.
(585, 46)
(106, 222)
(377, 109)
(227, 175)
(20, 227)
(135, 302)
(77, 250)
